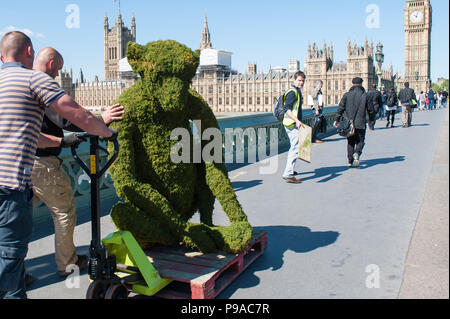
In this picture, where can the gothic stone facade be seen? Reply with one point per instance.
(256, 92)
(417, 22)
(224, 89)
(101, 94)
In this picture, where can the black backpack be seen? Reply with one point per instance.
(278, 106)
(392, 100)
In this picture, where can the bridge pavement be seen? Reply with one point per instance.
(342, 233)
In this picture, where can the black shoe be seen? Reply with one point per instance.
(29, 279)
(81, 263)
(387, 124)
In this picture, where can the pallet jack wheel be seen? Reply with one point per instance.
(96, 290)
(117, 291)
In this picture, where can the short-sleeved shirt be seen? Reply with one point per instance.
(24, 95)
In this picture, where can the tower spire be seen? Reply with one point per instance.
(206, 37)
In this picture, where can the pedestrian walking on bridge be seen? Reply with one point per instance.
(355, 104)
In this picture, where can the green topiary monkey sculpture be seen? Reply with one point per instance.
(160, 196)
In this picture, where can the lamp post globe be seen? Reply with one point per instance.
(379, 58)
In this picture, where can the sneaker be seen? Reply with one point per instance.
(82, 263)
(350, 164)
(387, 124)
(355, 160)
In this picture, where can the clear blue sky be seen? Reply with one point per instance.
(267, 32)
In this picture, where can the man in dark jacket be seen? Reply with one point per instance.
(406, 97)
(375, 96)
(432, 102)
(354, 105)
(317, 96)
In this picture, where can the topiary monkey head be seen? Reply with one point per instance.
(160, 59)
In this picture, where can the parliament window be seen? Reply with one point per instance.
(275, 87)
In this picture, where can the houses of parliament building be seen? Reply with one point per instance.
(226, 90)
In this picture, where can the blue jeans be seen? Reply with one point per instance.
(293, 135)
(381, 111)
(16, 227)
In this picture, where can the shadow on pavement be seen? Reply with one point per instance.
(239, 186)
(44, 271)
(326, 174)
(281, 239)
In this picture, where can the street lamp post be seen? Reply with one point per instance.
(379, 58)
(417, 81)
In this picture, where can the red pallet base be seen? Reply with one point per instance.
(202, 276)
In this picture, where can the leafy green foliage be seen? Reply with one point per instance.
(159, 196)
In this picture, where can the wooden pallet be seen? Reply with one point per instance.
(202, 276)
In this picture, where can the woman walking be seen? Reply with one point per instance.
(391, 106)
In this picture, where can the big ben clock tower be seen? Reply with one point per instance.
(418, 44)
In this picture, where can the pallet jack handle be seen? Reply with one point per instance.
(101, 265)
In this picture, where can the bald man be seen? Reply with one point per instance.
(50, 183)
(25, 94)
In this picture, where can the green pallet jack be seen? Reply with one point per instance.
(117, 264)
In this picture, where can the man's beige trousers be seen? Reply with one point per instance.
(52, 186)
(406, 115)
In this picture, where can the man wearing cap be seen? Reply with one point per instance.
(354, 106)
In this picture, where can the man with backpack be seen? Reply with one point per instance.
(406, 97)
(292, 121)
(391, 106)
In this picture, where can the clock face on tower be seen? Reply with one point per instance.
(416, 16)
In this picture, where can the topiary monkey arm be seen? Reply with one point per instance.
(216, 173)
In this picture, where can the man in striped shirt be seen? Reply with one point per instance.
(24, 96)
